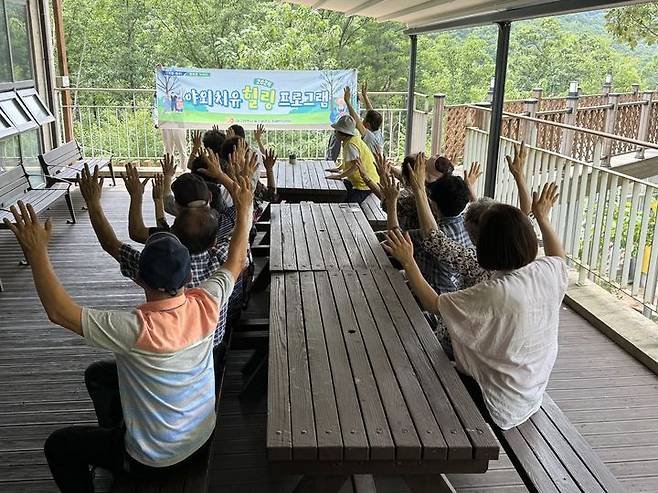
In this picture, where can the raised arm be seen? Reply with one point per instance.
(401, 247)
(136, 229)
(33, 238)
(470, 178)
(425, 217)
(517, 168)
(158, 201)
(390, 189)
(541, 206)
(91, 188)
(258, 136)
(373, 186)
(197, 147)
(364, 96)
(347, 96)
(269, 161)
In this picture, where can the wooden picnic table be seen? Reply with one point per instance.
(374, 213)
(307, 180)
(311, 236)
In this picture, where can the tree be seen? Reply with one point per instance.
(634, 24)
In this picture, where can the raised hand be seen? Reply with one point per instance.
(130, 178)
(30, 233)
(418, 172)
(471, 176)
(516, 165)
(196, 140)
(543, 202)
(91, 186)
(216, 128)
(382, 165)
(258, 133)
(399, 246)
(360, 167)
(269, 159)
(168, 166)
(242, 194)
(158, 187)
(364, 90)
(213, 167)
(347, 94)
(390, 188)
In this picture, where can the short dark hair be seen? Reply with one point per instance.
(198, 162)
(409, 160)
(196, 228)
(227, 147)
(443, 165)
(374, 119)
(238, 130)
(213, 140)
(450, 194)
(506, 239)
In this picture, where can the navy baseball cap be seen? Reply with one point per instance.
(164, 263)
(190, 190)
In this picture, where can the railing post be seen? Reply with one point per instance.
(529, 134)
(635, 89)
(536, 94)
(483, 117)
(490, 91)
(645, 119)
(437, 123)
(607, 85)
(610, 120)
(570, 119)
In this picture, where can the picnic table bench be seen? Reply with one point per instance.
(66, 161)
(15, 185)
(374, 213)
(359, 384)
(551, 456)
(311, 236)
(307, 180)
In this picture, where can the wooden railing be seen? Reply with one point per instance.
(606, 220)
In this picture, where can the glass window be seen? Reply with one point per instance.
(36, 106)
(19, 39)
(17, 113)
(30, 149)
(5, 61)
(10, 153)
(6, 127)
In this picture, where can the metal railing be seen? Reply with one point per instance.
(606, 220)
(119, 121)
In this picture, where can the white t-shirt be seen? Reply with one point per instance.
(374, 141)
(504, 335)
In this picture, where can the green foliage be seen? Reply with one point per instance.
(634, 24)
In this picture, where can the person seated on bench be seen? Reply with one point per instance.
(370, 127)
(503, 329)
(162, 346)
(353, 149)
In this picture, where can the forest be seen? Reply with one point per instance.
(117, 43)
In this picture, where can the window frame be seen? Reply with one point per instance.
(20, 127)
(31, 92)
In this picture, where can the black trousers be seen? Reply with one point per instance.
(70, 451)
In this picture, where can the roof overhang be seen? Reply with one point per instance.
(439, 15)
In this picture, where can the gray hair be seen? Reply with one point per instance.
(473, 216)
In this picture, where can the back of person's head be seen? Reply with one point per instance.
(213, 140)
(164, 264)
(196, 228)
(373, 120)
(450, 193)
(238, 130)
(408, 163)
(198, 162)
(473, 216)
(228, 146)
(190, 190)
(443, 165)
(506, 240)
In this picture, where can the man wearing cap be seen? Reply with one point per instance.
(354, 150)
(163, 377)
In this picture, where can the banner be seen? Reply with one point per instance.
(200, 98)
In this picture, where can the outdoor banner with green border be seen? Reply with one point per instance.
(200, 98)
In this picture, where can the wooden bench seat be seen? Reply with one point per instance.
(65, 162)
(551, 456)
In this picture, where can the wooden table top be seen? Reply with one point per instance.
(374, 213)
(307, 180)
(358, 382)
(311, 236)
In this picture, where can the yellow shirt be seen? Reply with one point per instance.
(355, 147)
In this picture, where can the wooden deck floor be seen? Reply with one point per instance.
(612, 399)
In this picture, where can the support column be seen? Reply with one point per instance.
(437, 123)
(645, 119)
(529, 134)
(411, 99)
(502, 50)
(570, 119)
(607, 85)
(63, 65)
(610, 120)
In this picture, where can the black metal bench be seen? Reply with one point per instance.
(15, 185)
(551, 456)
(65, 162)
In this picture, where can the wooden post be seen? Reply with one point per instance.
(607, 85)
(437, 123)
(645, 119)
(635, 89)
(536, 94)
(529, 127)
(483, 117)
(568, 136)
(67, 103)
(610, 120)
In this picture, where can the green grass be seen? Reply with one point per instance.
(228, 118)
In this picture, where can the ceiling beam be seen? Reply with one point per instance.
(363, 6)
